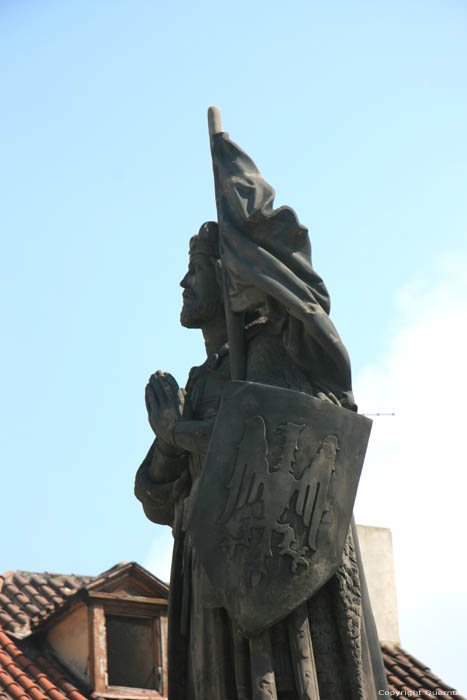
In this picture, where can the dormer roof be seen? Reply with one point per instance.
(28, 600)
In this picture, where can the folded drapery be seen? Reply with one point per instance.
(266, 253)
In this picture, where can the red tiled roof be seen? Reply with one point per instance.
(27, 598)
(25, 675)
(28, 675)
(408, 677)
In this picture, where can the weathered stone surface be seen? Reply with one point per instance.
(264, 314)
(275, 499)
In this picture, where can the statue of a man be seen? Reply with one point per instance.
(293, 345)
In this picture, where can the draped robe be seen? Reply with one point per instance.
(208, 656)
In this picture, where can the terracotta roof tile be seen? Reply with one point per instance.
(46, 590)
(27, 598)
(12, 689)
(394, 681)
(31, 609)
(26, 676)
(408, 675)
(30, 590)
(17, 578)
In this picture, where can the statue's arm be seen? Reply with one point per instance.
(193, 435)
(163, 477)
(160, 480)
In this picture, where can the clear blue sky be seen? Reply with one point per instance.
(356, 112)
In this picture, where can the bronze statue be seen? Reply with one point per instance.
(255, 465)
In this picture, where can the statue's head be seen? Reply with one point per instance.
(202, 295)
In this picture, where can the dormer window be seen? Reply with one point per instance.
(113, 635)
(128, 646)
(133, 652)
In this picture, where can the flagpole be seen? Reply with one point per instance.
(235, 321)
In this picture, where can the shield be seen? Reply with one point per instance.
(275, 499)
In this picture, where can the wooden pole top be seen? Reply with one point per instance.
(214, 121)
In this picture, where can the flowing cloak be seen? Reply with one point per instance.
(266, 253)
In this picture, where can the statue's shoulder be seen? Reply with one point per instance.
(215, 364)
(268, 361)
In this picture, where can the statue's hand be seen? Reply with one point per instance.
(164, 402)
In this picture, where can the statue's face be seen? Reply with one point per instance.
(201, 293)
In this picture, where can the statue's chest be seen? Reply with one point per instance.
(207, 390)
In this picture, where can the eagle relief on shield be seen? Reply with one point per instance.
(281, 496)
(275, 499)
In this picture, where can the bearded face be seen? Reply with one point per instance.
(202, 301)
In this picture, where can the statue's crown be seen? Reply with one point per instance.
(206, 240)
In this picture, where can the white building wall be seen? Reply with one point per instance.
(378, 562)
(69, 639)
